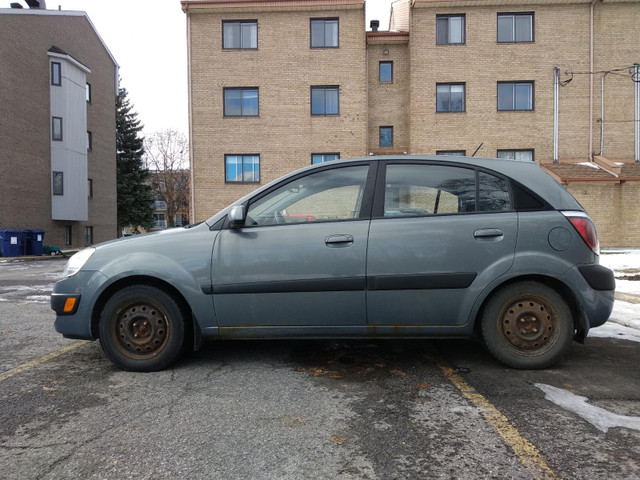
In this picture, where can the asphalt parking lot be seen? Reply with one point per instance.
(305, 409)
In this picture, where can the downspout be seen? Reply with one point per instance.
(636, 81)
(602, 115)
(591, 80)
(556, 81)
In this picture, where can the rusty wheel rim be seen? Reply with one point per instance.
(529, 325)
(141, 330)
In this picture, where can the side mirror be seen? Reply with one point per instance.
(236, 216)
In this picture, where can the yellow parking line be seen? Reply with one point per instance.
(38, 361)
(528, 455)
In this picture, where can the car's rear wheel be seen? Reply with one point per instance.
(142, 329)
(527, 325)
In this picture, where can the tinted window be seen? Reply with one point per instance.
(325, 196)
(493, 193)
(428, 190)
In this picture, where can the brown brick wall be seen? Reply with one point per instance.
(25, 157)
(284, 67)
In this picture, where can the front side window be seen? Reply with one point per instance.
(515, 27)
(325, 196)
(386, 136)
(323, 157)
(56, 129)
(56, 73)
(324, 33)
(515, 95)
(516, 154)
(450, 97)
(449, 29)
(242, 168)
(241, 102)
(58, 183)
(240, 34)
(386, 72)
(325, 100)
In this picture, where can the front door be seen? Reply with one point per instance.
(300, 258)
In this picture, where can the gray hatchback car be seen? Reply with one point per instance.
(376, 247)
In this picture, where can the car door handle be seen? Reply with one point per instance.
(488, 233)
(342, 240)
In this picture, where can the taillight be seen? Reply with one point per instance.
(585, 227)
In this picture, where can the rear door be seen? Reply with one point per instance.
(440, 234)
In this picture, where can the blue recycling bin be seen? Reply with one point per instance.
(12, 242)
(35, 242)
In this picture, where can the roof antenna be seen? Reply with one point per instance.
(479, 147)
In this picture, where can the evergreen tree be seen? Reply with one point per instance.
(134, 194)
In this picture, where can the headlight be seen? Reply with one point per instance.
(77, 261)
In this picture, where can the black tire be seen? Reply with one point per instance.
(142, 329)
(527, 325)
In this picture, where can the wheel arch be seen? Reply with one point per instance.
(192, 329)
(578, 317)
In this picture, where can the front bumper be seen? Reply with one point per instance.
(73, 300)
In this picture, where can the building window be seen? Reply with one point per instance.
(242, 168)
(56, 129)
(386, 72)
(520, 154)
(241, 102)
(323, 157)
(386, 136)
(160, 220)
(449, 29)
(452, 153)
(515, 27)
(90, 187)
(450, 97)
(68, 235)
(325, 100)
(515, 95)
(240, 34)
(56, 73)
(88, 92)
(324, 33)
(58, 183)
(88, 235)
(89, 140)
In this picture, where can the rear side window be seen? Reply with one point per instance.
(428, 190)
(493, 193)
(414, 190)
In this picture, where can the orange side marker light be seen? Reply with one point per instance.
(69, 304)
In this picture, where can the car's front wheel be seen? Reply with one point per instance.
(142, 328)
(527, 325)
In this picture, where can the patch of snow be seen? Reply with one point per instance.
(589, 164)
(628, 286)
(600, 418)
(39, 298)
(620, 259)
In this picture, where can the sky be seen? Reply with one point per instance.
(148, 39)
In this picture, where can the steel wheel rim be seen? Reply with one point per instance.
(141, 330)
(529, 325)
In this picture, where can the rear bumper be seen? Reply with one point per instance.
(594, 288)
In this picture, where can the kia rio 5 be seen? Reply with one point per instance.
(384, 247)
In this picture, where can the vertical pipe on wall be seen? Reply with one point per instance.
(636, 83)
(556, 81)
(602, 115)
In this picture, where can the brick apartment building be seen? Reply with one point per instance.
(279, 84)
(58, 84)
